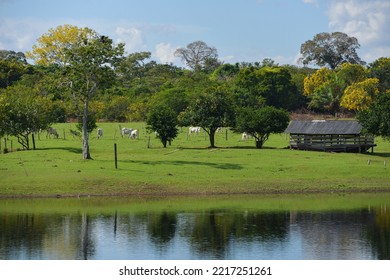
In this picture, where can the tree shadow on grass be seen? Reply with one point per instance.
(69, 149)
(253, 147)
(227, 166)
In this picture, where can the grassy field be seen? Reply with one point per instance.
(187, 167)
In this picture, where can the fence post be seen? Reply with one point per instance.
(115, 156)
(33, 140)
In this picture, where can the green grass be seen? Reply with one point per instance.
(187, 167)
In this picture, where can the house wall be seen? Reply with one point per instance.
(331, 142)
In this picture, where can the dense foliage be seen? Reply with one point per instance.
(81, 75)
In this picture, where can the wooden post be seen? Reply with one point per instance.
(149, 142)
(226, 134)
(11, 146)
(33, 140)
(115, 156)
(5, 143)
(64, 134)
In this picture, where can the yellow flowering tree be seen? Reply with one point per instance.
(314, 82)
(359, 96)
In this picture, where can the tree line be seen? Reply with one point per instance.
(80, 75)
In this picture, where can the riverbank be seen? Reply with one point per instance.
(187, 167)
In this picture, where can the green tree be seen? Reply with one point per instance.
(330, 49)
(14, 56)
(376, 119)
(23, 111)
(209, 111)
(11, 70)
(87, 60)
(260, 123)
(380, 69)
(352, 73)
(327, 97)
(272, 85)
(116, 107)
(225, 72)
(163, 121)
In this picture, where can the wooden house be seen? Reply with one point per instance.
(329, 136)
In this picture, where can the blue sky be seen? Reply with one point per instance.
(241, 30)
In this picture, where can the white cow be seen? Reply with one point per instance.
(193, 129)
(51, 131)
(245, 136)
(99, 133)
(126, 131)
(134, 134)
(219, 129)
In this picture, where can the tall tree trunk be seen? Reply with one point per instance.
(86, 154)
(212, 138)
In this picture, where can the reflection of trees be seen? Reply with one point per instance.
(86, 246)
(213, 231)
(162, 227)
(378, 233)
(21, 234)
(263, 226)
(42, 236)
(334, 235)
(211, 234)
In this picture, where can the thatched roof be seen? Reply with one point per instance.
(324, 127)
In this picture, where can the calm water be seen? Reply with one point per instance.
(209, 233)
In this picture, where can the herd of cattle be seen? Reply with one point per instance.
(133, 133)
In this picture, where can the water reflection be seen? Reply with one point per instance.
(210, 234)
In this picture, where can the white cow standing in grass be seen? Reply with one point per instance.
(51, 131)
(99, 133)
(126, 131)
(245, 136)
(134, 134)
(193, 129)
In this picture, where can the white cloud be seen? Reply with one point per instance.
(227, 58)
(165, 53)
(132, 37)
(309, 1)
(282, 60)
(19, 35)
(368, 21)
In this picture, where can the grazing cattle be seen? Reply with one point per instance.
(134, 134)
(193, 129)
(245, 136)
(219, 129)
(51, 131)
(99, 133)
(126, 131)
(75, 133)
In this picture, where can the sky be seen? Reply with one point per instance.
(240, 30)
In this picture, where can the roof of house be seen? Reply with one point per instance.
(324, 127)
